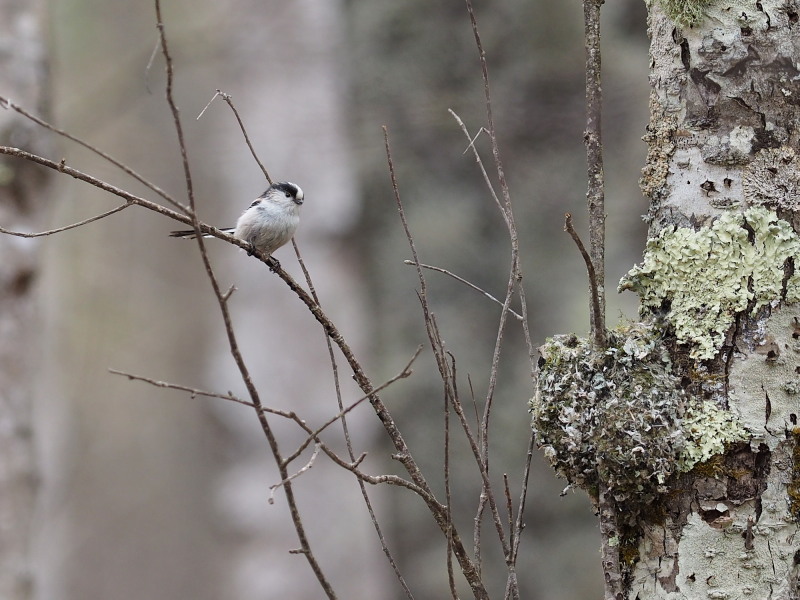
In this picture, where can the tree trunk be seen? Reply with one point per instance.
(23, 78)
(722, 164)
(688, 420)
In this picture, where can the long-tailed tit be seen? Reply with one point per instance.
(269, 222)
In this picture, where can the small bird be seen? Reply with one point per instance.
(269, 222)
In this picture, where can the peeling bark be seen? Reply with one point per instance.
(723, 134)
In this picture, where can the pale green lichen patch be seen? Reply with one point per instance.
(704, 278)
(620, 415)
(687, 13)
(707, 429)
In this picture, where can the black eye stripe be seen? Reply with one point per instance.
(289, 189)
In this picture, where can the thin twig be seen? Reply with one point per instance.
(272, 488)
(229, 101)
(108, 213)
(234, 347)
(6, 103)
(448, 498)
(512, 280)
(148, 67)
(512, 584)
(595, 195)
(509, 510)
(596, 311)
(487, 180)
(487, 495)
(62, 167)
(205, 108)
(468, 567)
(292, 416)
(515, 273)
(175, 386)
(465, 282)
(346, 432)
(512, 588)
(490, 129)
(472, 141)
(519, 525)
(359, 376)
(312, 436)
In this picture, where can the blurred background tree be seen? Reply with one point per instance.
(23, 75)
(148, 493)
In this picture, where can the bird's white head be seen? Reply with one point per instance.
(284, 193)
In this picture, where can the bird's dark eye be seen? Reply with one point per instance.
(288, 195)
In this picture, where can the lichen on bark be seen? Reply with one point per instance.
(702, 279)
(621, 417)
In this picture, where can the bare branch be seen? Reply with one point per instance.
(597, 326)
(229, 101)
(108, 213)
(519, 526)
(509, 509)
(232, 342)
(487, 494)
(62, 167)
(312, 436)
(448, 496)
(345, 430)
(498, 163)
(514, 280)
(330, 328)
(468, 567)
(609, 543)
(465, 282)
(595, 195)
(174, 386)
(308, 466)
(478, 160)
(6, 103)
(418, 484)
(205, 108)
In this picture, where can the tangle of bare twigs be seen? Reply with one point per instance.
(509, 525)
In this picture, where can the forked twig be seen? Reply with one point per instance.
(229, 101)
(294, 475)
(346, 431)
(417, 483)
(514, 282)
(232, 341)
(6, 103)
(468, 566)
(312, 436)
(465, 282)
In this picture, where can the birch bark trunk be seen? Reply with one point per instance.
(723, 165)
(688, 420)
(23, 77)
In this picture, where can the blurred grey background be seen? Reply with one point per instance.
(148, 493)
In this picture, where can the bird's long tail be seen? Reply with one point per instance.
(189, 233)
